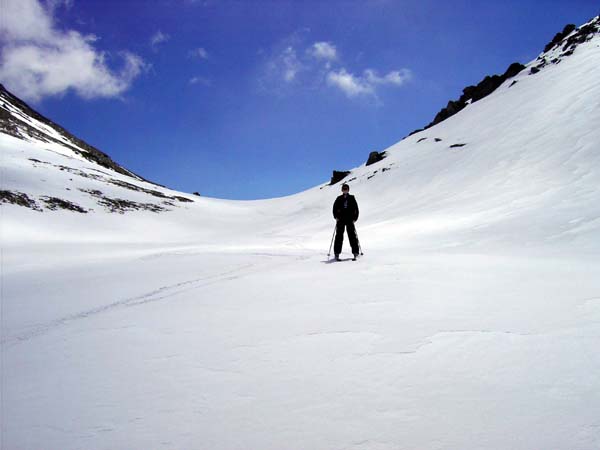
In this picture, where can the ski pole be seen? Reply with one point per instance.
(358, 240)
(334, 230)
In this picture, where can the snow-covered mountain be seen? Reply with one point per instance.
(135, 316)
(21, 121)
(54, 168)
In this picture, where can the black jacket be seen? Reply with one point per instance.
(345, 208)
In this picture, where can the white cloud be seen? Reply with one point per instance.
(201, 81)
(55, 4)
(35, 72)
(323, 50)
(284, 66)
(158, 38)
(350, 84)
(37, 60)
(199, 53)
(353, 85)
(396, 77)
(25, 20)
(291, 64)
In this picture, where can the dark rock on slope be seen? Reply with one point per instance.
(55, 203)
(375, 157)
(18, 198)
(565, 43)
(338, 176)
(582, 35)
(472, 94)
(558, 37)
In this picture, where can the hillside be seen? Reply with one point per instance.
(472, 321)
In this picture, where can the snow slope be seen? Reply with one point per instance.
(472, 322)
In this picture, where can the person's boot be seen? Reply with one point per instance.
(355, 256)
(337, 257)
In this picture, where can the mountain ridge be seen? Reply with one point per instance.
(571, 36)
(13, 125)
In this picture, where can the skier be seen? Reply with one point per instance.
(345, 212)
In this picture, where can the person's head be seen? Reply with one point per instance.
(345, 188)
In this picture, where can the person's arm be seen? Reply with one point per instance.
(356, 210)
(335, 208)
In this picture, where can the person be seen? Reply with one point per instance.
(345, 212)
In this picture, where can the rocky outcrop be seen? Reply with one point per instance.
(375, 157)
(120, 205)
(55, 203)
(565, 43)
(569, 38)
(558, 37)
(338, 176)
(472, 94)
(18, 198)
(582, 35)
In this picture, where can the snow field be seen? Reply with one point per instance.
(245, 350)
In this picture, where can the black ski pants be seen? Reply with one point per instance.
(339, 236)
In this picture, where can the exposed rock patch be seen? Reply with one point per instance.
(558, 37)
(338, 175)
(18, 198)
(375, 157)
(133, 187)
(583, 34)
(55, 203)
(570, 38)
(119, 205)
(472, 94)
(114, 181)
(183, 199)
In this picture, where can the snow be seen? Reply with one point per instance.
(472, 321)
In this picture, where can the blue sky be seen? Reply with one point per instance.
(257, 99)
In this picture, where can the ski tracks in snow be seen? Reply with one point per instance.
(151, 296)
(161, 293)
